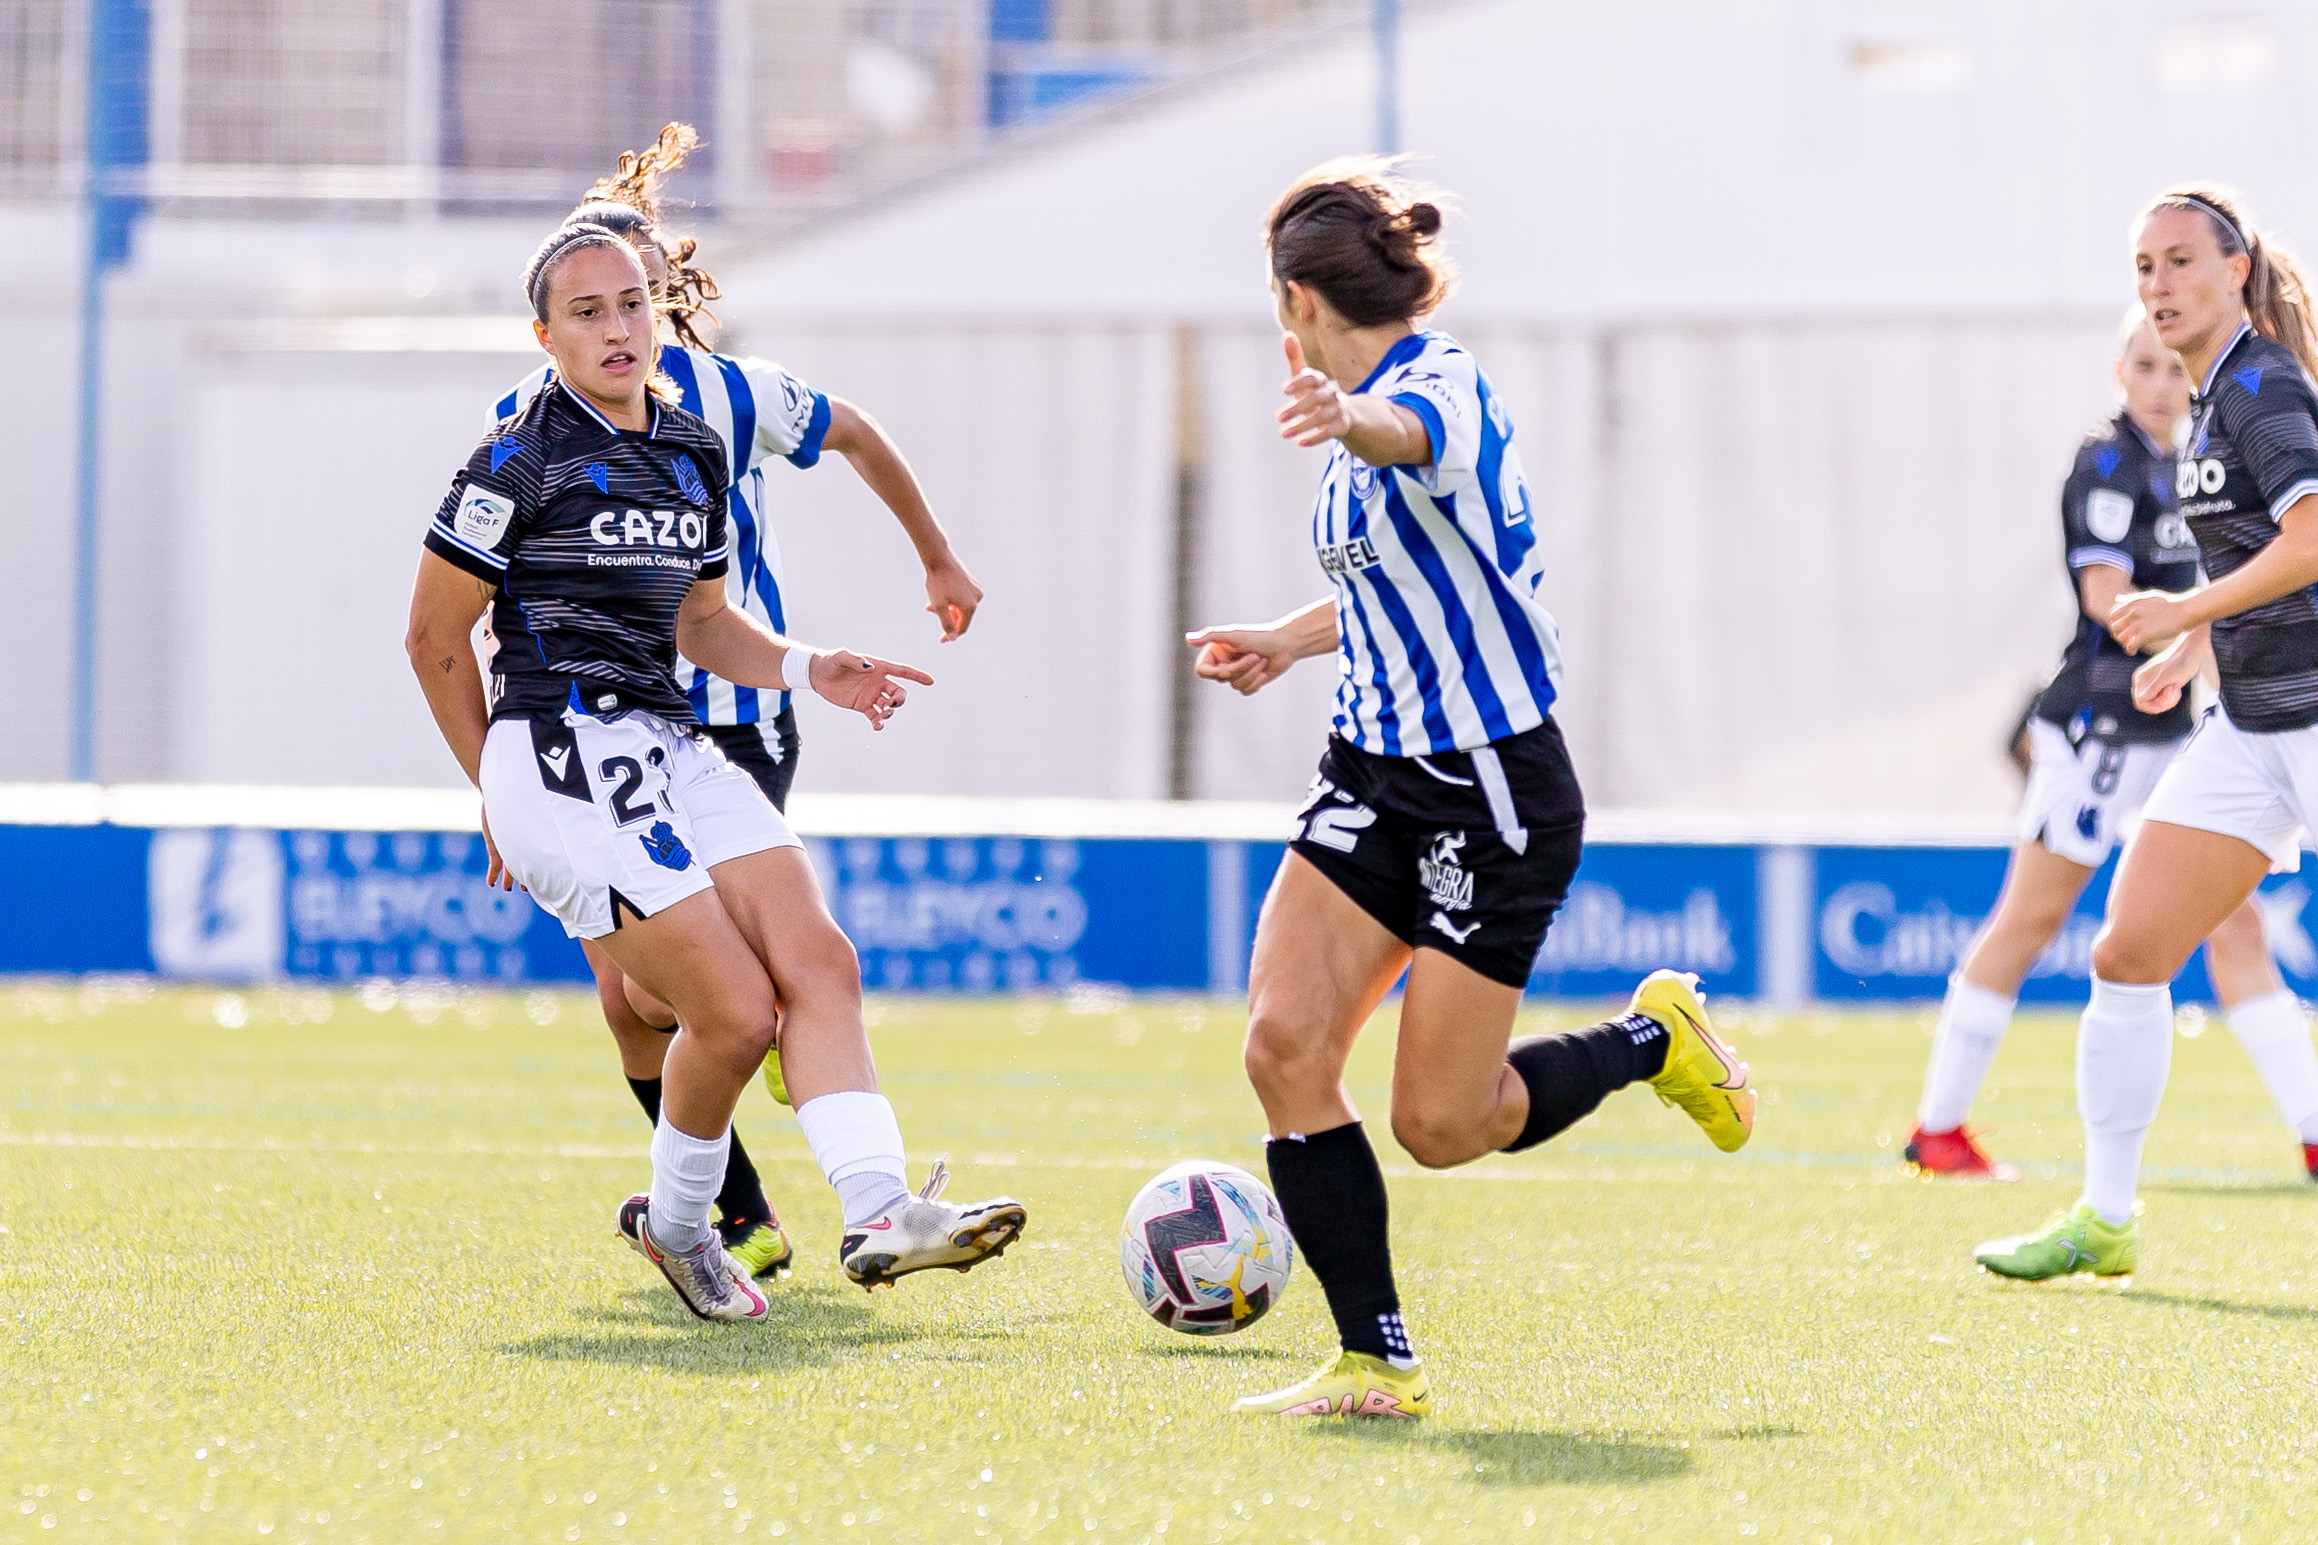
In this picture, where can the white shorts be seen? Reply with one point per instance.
(2261, 789)
(2082, 800)
(605, 821)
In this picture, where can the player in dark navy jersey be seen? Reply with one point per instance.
(1446, 822)
(2096, 756)
(764, 416)
(2234, 803)
(593, 527)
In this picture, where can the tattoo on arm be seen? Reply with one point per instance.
(449, 662)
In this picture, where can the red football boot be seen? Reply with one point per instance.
(1954, 1153)
(2310, 1159)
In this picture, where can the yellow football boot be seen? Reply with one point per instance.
(775, 1085)
(1356, 1384)
(1702, 1076)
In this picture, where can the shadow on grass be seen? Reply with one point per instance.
(1530, 1458)
(2228, 1306)
(2245, 1188)
(1201, 1350)
(805, 1328)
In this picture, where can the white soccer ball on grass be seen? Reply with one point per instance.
(1205, 1249)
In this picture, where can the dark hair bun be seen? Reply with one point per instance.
(1424, 219)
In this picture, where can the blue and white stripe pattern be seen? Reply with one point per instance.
(1444, 645)
(760, 411)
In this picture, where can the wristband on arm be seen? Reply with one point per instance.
(797, 668)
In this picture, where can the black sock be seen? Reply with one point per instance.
(743, 1198)
(1568, 1074)
(647, 1091)
(1332, 1194)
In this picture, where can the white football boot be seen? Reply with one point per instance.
(925, 1232)
(711, 1283)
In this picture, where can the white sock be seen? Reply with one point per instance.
(1972, 1025)
(2277, 1040)
(687, 1172)
(2124, 1051)
(857, 1143)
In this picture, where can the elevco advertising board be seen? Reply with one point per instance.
(1000, 913)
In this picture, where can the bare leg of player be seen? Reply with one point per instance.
(2266, 1018)
(641, 1026)
(2040, 892)
(832, 1080)
(691, 957)
(2175, 886)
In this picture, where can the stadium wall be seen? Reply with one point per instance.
(1826, 549)
(967, 896)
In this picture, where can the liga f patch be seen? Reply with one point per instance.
(483, 516)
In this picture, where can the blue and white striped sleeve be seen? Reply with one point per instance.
(1442, 387)
(792, 418)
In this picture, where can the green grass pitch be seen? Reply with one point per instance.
(323, 1267)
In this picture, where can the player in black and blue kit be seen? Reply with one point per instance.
(593, 527)
(763, 415)
(2235, 802)
(2096, 756)
(1446, 821)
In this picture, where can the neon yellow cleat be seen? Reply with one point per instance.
(1702, 1076)
(762, 1251)
(2074, 1244)
(775, 1085)
(1356, 1384)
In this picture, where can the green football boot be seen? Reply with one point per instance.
(2079, 1243)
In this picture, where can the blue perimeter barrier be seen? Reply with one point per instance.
(1778, 922)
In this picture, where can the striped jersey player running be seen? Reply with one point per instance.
(1446, 821)
(2235, 803)
(760, 413)
(2095, 758)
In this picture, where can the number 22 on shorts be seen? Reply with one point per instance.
(1334, 826)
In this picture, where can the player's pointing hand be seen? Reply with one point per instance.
(1318, 410)
(864, 683)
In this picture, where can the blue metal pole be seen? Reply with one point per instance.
(1388, 77)
(83, 748)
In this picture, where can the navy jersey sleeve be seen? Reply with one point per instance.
(490, 500)
(2096, 508)
(2274, 425)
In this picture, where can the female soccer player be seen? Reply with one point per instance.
(1445, 823)
(2234, 803)
(593, 526)
(2096, 756)
(760, 412)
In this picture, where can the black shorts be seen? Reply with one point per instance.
(1469, 853)
(766, 751)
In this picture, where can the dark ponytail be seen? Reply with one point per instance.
(1365, 238)
(2277, 294)
(628, 202)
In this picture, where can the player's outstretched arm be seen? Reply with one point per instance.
(1319, 409)
(951, 594)
(730, 643)
(1248, 656)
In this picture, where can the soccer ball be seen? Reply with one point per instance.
(1205, 1249)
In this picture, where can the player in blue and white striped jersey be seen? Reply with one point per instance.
(761, 413)
(1446, 822)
